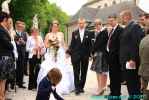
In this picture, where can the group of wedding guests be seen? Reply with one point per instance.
(114, 49)
(16, 43)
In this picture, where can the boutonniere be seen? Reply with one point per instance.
(76, 36)
(86, 36)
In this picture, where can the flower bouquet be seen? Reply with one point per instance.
(54, 46)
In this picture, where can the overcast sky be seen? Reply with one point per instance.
(69, 6)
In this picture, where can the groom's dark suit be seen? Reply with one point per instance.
(80, 52)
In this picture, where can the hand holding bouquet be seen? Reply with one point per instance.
(54, 44)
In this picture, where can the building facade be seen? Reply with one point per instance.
(101, 9)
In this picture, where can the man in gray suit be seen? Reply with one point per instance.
(144, 65)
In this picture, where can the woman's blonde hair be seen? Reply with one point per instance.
(55, 76)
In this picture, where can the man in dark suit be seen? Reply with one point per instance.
(129, 53)
(20, 38)
(113, 47)
(79, 50)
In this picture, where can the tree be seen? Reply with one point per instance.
(26, 9)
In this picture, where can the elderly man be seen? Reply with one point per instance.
(129, 54)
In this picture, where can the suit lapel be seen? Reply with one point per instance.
(77, 36)
(85, 36)
(128, 27)
(114, 31)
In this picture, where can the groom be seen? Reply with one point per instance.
(79, 50)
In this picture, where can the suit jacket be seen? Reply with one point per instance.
(129, 43)
(114, 47)
(100, 42)
(45, 89)
(6, 47)
(21, 47)
(78, 49)
(144, 57)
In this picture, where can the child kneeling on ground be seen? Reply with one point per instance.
(48, 84)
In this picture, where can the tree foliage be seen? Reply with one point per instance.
(26, 9)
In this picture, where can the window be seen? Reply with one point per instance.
(99, 6)
(105, 5)
(114, 2)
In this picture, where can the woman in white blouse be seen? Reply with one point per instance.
(36, 49)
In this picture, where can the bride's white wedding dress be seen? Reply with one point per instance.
(66, 85)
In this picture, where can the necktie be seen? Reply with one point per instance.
(19, 33)
(109, 40)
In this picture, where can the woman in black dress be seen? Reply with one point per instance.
(99, 53)
(6, 53)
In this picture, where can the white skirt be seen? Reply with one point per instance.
(66, 85)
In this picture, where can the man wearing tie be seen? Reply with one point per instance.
(79, 50)
(20, 39)
(113, 46)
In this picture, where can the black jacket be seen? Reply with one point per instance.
(100, 42)
(45, 89)
(78, 49)
(114, 47)
(21, 47)
(6, 48)
(129, 43)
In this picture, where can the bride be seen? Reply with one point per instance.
(56, 57)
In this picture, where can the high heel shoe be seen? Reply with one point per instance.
(100, 92)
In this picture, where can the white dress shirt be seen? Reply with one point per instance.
(110, 35)
(81, 31)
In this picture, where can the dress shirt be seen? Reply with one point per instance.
(110, 35)
(81, 31)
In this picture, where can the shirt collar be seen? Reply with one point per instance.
(115, 27)
(81, 30)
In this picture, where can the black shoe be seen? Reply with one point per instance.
(24, 82)
(123, 83)
(31, 88)
(21, 86)
(81, 90)
(77, 92)
(12, 87)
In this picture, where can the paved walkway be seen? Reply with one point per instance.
(24, 94)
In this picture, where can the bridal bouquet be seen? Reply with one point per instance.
(54, 45)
